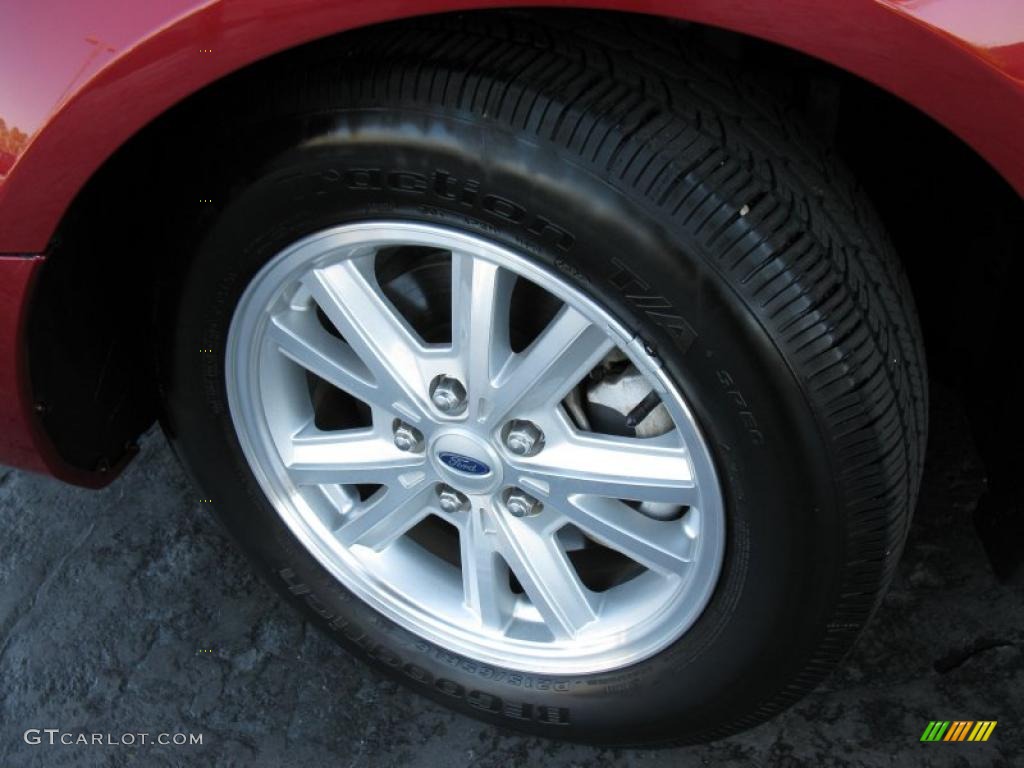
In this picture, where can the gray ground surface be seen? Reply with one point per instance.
(106, 600)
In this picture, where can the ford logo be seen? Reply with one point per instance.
(463, 464)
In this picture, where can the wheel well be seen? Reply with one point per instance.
(95, 319)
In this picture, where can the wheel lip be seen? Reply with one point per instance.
(317, 249)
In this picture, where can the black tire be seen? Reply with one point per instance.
(702, 216)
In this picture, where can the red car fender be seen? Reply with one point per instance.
(77, 79)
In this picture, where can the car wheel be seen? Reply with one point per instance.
(578, 389)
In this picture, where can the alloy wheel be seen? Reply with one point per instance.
(446, 471)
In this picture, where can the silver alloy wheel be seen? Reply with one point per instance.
(318, 308)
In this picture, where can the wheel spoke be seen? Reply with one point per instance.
(637, 469)
(484, 573)
(546, 575)
(385, 516)
(660, 545)
(349, 457)
(481, 301)
(347, 293)
(542, 374)
(299, 336)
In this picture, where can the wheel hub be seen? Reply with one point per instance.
(466, 462)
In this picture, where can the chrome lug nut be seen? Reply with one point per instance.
(448, 395)
(451, 500)
(524, 438)
(408, 438)
(521, 504)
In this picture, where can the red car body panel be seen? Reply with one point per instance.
(80, 77)
(18, 444)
